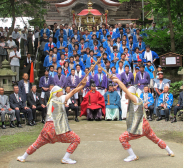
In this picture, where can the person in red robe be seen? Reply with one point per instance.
(93, 105)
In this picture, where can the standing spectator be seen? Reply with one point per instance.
(5, 109)
(15, 64)
(37, 37)
(23, 42)
(153, 27)
(151, 70)
(73, 81)
(178, 107)
(127, 77)
(18, 104)
(148, 101)
(60, 79)
(86, 88)
(45, 30)
(45, 82)
(24, 86)
(1, 32)
(165, 102)
(16, 37)
(71, 104)
(28, 60)
(54, 31)
(3, 50)
(100, 81)
(34, 102)
(30, 42)
(142, 78)
(149, 55)
(41, 44)
(6, 32)
(10, 43)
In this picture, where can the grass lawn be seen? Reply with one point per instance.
(18, 140)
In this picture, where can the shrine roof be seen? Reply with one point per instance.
(70, 2)
(84, 12)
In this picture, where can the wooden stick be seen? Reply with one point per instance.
(90, 70)
(108, 99)
(109, 75)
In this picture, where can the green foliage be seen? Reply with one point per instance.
(175, 87)
(20, 8)
(160, 42)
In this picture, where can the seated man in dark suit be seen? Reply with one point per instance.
(18, 103)
(5, 109)
(71, 104)
(47, 94)
(178, 107)
(34, 102)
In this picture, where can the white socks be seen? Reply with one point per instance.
(131, 152)
(67, 156)
(25, 155)
(168, 150)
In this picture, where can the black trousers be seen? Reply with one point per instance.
(40, 108)
(17, 44)
(166, 110)
(72, 107)
(27, 112)
(36, 44)
(151, 108)
(177, 108)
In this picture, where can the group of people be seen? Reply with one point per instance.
(68, 55)
(57, 128)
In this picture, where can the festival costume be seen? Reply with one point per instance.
(56, 128)
(137, 127)
(160, 87)
(97, 107)
(112, 110)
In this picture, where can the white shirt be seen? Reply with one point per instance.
(26, 87)
(15, 61)
(69, 102)
(11, 43)
(60, 99)
(16, 96)
(36, 34)
(24, 36)
(15, 35)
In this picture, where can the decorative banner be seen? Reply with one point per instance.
(73, 18)
(106, 18)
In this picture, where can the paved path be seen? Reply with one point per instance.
(100, 148)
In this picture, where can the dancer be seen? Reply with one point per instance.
(56, 128)
(137, 125)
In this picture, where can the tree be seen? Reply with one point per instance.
(170, 14)
(173, 10)
(15, 8)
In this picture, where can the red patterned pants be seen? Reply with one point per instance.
(147, 131)
(48, 135)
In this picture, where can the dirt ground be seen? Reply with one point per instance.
(100, 147)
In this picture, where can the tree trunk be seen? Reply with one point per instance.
(170, 27)
(13, 17)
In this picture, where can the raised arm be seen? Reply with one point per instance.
(69, 95)
(123, 87)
